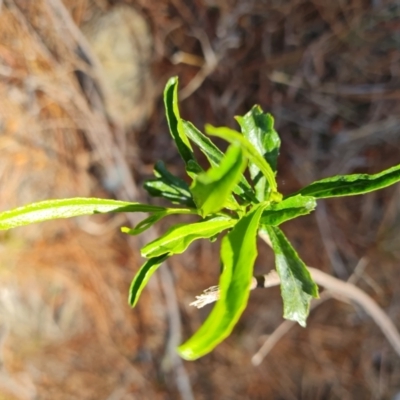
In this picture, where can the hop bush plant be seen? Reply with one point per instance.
(227, 203)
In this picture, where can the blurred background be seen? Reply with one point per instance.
(81, 114)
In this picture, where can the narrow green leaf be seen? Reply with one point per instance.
(66, 208)
(258, 128)
(174, 119)
(210, 150)
(297, 286)
(178, 238)
(143, 276)
(350, 185)
(159, 188)
(169, 186)
(292, 207)
(143, 225)
(212, 190)
(214, 156)
(235, 137)
(238, 253)
(161, 171)
(152, 219)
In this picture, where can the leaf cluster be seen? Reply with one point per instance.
(236, 196)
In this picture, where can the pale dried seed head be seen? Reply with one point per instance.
(209, 295)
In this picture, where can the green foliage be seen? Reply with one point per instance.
(67, 208)
(175, 121)
(258, 128)
(143, 276)
(350, 185)
(250, 151)
(212, 190)
(210, 150)
(214, 156)
(222, 199)
(297, 287)
(238, 253)
(178, 238)
(292, 207)
(155, 217)
(169, 186)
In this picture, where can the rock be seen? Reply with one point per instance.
(121, 39)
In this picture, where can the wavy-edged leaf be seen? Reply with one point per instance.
(66, 208)
(258, 128)
(155, 217)
(235, 137)
(178, 238)
(174, 120)
(292, 207)
(238, 253)
(169, 186)
(214, 156)
(212, 190)
(350, 185)
(142, 277)
(297, 286)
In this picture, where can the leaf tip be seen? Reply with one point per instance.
(172, 81)
(132, 300)
(301, 319)
(303, 324)
(186, 353)
(133, 296)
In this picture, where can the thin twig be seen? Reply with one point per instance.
(281, 331)
(351, 292)
(286, 325)
(209, 65)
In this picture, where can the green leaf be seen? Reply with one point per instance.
(178, 238)
(258, 128)
(349, 185)
(214, 156)
(66, 208)
(174, 120)
(169, 186)
(143, 276)
(159, 188)
(252, 154)
(212, 190)
(210, 150)
(292, 207)
(152, 219)
(143, 225)
(238, 253)
(297, 286)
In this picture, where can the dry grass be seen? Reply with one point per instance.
(331, 76)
